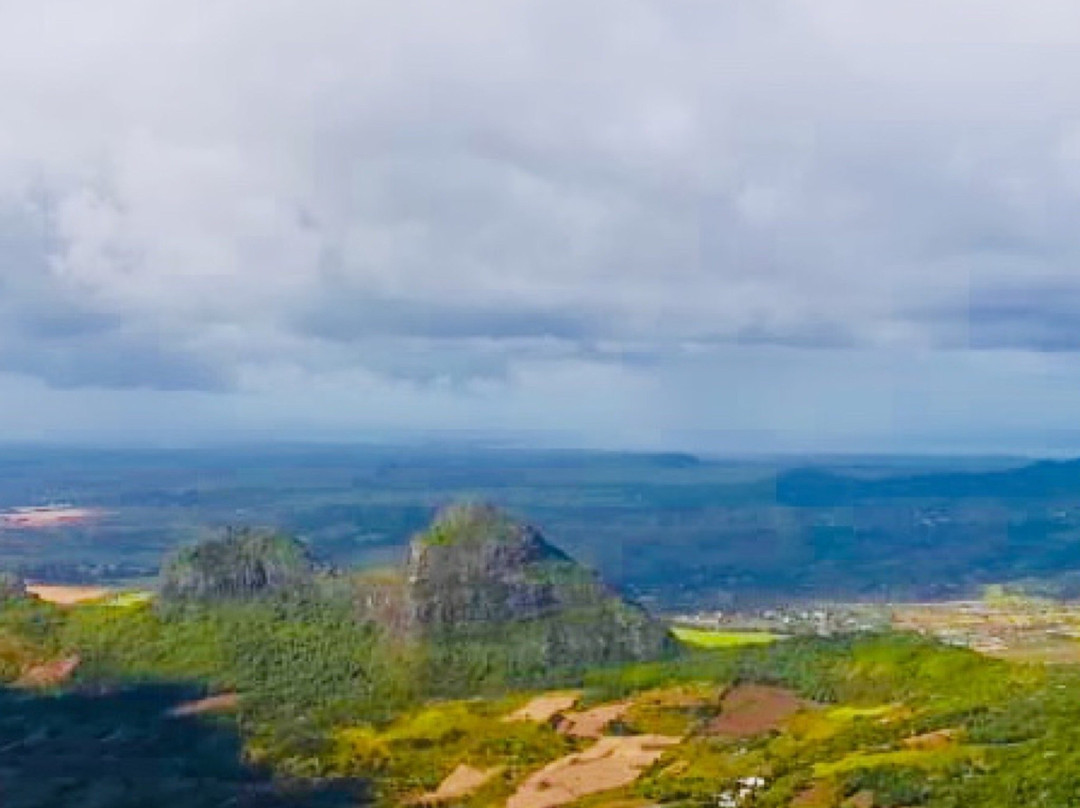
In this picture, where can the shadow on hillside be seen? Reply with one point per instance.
(120, 749)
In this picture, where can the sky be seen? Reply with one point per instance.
(813, 225)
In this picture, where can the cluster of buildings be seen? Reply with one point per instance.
(822, 620)
(733, 798)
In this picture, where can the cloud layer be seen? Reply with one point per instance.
(478, 199)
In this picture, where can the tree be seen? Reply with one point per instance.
(11, 586)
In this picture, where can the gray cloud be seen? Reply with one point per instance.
(344, 316)
(1041, 318)
(474, 194)
(117, 362)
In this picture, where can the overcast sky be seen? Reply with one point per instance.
(722, 226)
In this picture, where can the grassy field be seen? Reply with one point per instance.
(705, 638)
(132, 597)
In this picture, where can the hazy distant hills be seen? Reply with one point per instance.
(1042, 480)
(672, 528)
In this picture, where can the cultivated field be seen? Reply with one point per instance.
(651, 725)
(707, 638)
(68, 595)
(459, 784)
(749, 710)
(591, 723)
(546, 707)
(1022, 629)
(610, 763)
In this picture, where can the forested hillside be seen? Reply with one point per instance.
(255, 678)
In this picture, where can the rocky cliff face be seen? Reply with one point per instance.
(476, 573)
(488, 570)
(241, 563)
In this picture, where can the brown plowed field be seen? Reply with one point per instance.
(461, 782)
(610, 763)
(591, 723)
(749, 710)
(544, 708)
(67, 595)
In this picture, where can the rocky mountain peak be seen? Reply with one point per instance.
(478, 570)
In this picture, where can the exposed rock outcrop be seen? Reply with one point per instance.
(243, 562)
(477, 573)
(475, 565)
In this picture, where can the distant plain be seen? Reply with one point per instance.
(673, 530)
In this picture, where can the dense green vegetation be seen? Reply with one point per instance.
(471, 523)
(335, 702)
(325, 696)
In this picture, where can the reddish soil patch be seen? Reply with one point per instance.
(221, 703)
(590, 723)
(45, 517)
(610, 763)
(461, 782)
(67, 595)
(749, 710)
(546, 707)
(49, 674)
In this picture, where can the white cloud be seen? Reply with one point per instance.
(199, 196)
